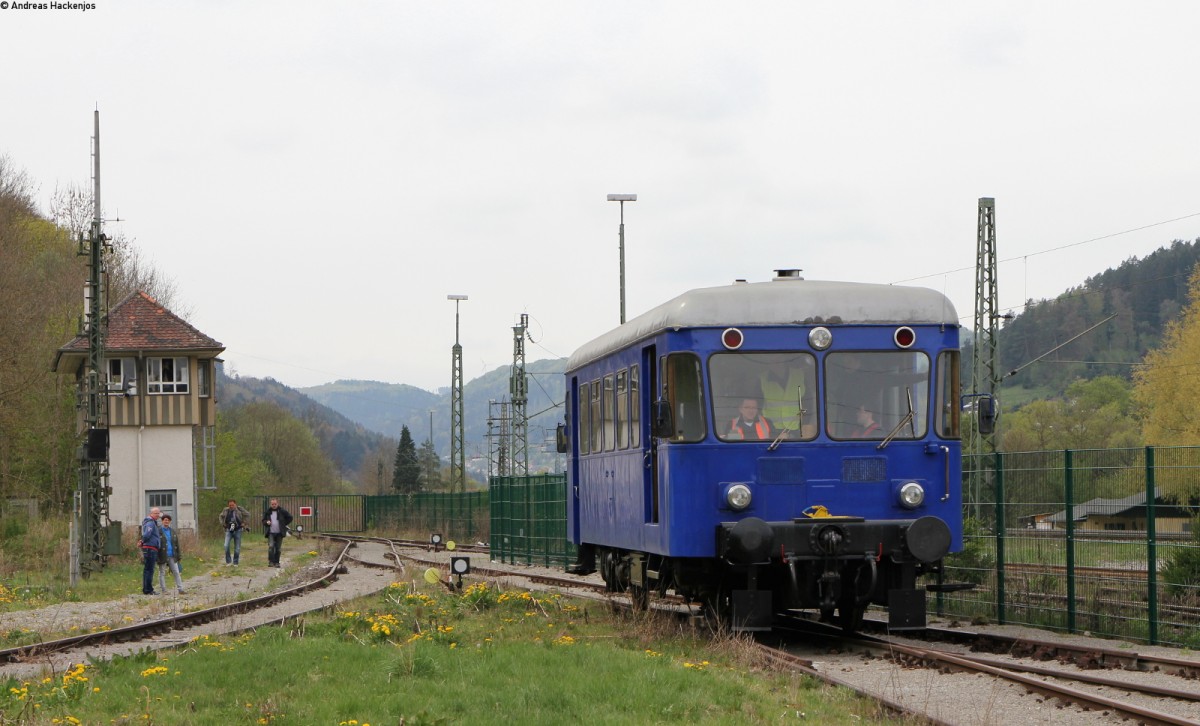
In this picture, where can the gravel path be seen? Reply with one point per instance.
(215, 586)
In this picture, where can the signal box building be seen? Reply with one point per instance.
(161, 409)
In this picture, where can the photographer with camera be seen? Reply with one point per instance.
(234, 521)
(275, 523)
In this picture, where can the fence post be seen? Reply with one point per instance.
(1000, 533)
(1069, 495)
(1151, 550)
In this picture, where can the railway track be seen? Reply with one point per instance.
(336, 582)
(923, 678)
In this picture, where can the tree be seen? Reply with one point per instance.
(287, 447)
(431, 466)
(41, 282)
(406, 473)
(1095, 414)
(1167, 385)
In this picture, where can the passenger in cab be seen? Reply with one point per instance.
(867, 427)
(786, 388)
(749, 423)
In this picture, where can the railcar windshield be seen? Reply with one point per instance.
(877, 394)
(759, 396)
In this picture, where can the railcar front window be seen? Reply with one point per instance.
(868, 394)
(948, 395)
(764, 395)
(686, 394)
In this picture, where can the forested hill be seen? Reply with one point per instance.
(386, 407)
(1143, 295)
(347, 443)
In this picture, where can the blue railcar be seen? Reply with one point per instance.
(839, 493)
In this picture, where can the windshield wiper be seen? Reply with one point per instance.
(909, 418)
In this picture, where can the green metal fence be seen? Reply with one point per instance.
(318, 512)
(461, 517)
(1097, 541)
(529, 520)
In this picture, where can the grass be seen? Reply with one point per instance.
(418, 654)
(35, 565)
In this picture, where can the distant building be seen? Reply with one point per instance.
(1127, 514)
(162, 408)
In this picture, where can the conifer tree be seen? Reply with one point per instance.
(406, 476)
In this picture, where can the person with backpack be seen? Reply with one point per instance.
(150, 542)
(169, 555)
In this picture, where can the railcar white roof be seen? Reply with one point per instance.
(780, 302)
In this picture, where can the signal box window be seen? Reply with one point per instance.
(203, 380)
(167, 375)
(122, 376)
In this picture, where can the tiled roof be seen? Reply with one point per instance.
(140, 323)
(1133, 505)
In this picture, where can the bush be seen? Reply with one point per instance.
(976, 560)
(1182, 570)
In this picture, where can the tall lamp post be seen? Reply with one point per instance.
(622, 198)
(458, 480)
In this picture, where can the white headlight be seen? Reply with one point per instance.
(820, 338)
(738, 497)
(912, 495)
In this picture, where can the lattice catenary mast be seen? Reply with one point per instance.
(458, 480)
(518, 388)
(985, 360)
(91, 505)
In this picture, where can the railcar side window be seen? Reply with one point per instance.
(635, 410)
(581, 407)
(948, 395)
(781, 387)
(622, 420)
(608, 411)
(871, 394)
(686, 393)
(597, 426)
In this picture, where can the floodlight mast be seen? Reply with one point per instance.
(622, 198)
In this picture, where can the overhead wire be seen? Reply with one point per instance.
(1025, 257)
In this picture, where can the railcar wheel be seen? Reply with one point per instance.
(852, 605)
(850, 615)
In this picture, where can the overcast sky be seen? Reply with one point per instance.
(317, 177)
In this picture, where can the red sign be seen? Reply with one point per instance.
(305, 511)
